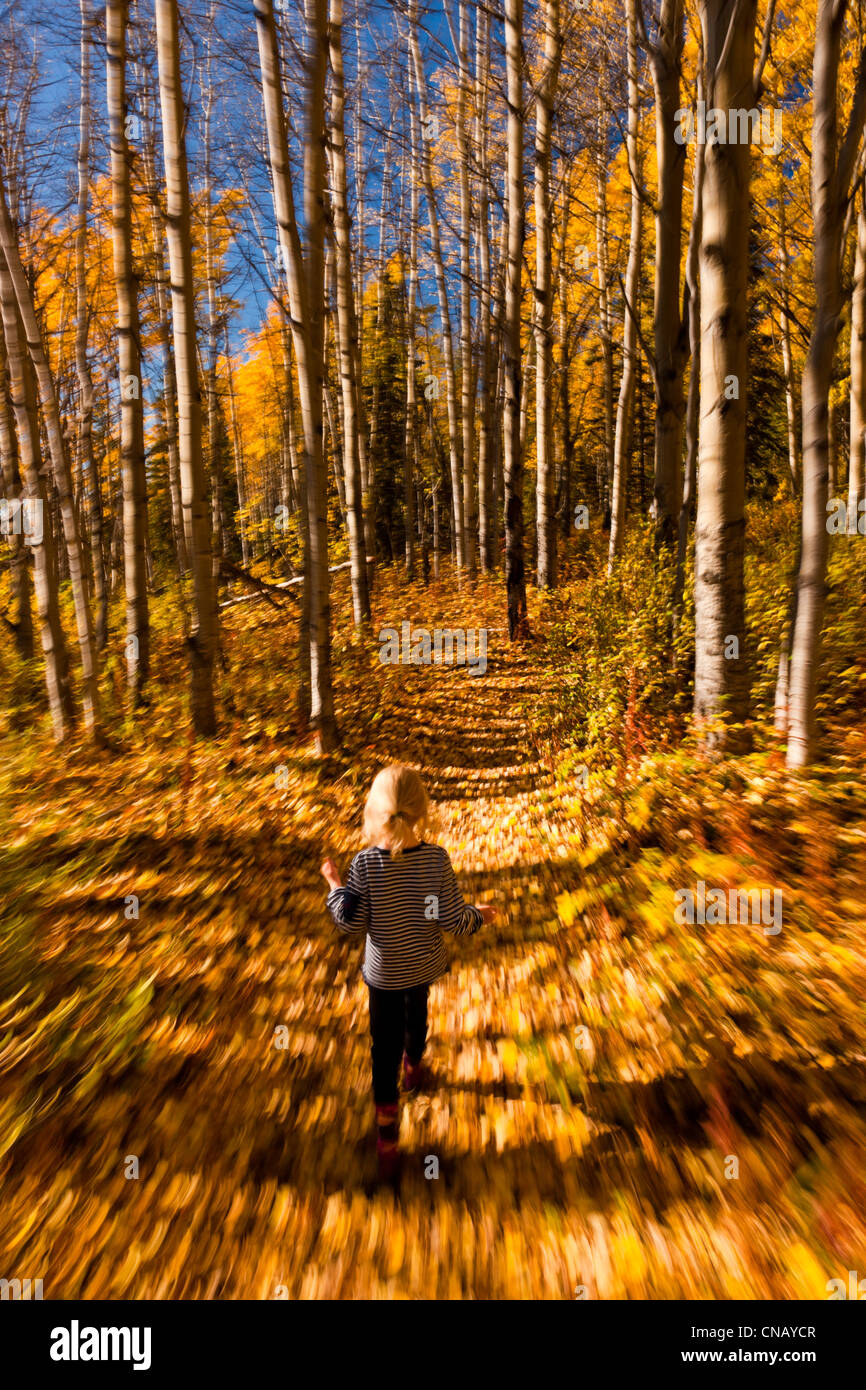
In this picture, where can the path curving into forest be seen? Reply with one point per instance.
(567, 1148)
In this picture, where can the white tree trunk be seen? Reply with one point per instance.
(347, 331)
(545, 526)
(722, 673)
(86, 463)
(306, 280)
(203, 636)
(692, 315)
(625, 404)
(787, 355)
(59, 462)
(515, 573)
(427, 128)
(128, 359)
(467, 365)
(857, 461)
(831, 174)
(411, 435)
(13, 491)
(487, 524)
(163, 328)
(51, 633)
(604, 313)
(669, 330)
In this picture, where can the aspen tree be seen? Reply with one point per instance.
(361, 209)
(384, 201)
(497, 434)
(515, 572)
(487, 525)
(61, 470)
(216, 435)
(722, 671)
(545, 524)
(604, 310)
(832, 171)
(787, 354)
(564, 393)
(129, 357)
(299, 483)
(346, 330)
(467, 363)
(306, 282)
(669, 327)
(427, 132)
(411, 439)
(51, 634)
(202, 641)
(10, 475)
(161, 291)
(86, 462)
(625, 404)
(692, 318)
(857, 431)
(237, 443)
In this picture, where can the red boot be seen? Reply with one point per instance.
(387, 1131)
(416, 1077)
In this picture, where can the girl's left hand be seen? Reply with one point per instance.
(332, 873)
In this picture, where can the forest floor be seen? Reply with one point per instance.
(598, 1066)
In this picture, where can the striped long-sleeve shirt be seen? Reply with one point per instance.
(404, 904)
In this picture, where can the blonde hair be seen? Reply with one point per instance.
(397, 805)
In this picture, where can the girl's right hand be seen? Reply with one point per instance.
(331, 873)
(488, 913)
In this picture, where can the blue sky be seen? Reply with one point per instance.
(53, 132)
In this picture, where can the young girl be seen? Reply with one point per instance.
(403, 894)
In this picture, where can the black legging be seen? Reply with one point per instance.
(398, 1023)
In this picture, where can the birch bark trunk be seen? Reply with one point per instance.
(237, 445)
(216, 433)
(87, 466)
(625, 404)
(203, 637)
(515, 572)
(427, 129)
(857, 463)
(545, 525)
(163, 332)
(10, 474)
(59, 461)
(347, 330)
(669, 328)
(51, 634)
(467, 365)
(787, 355)
(411, 434)
(128, 359)
(604, 314)
(486, 516)
(831, 174)
(692, 317)
(722, 673)
(306, 280)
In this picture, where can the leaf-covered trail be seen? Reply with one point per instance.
(560, 1170)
